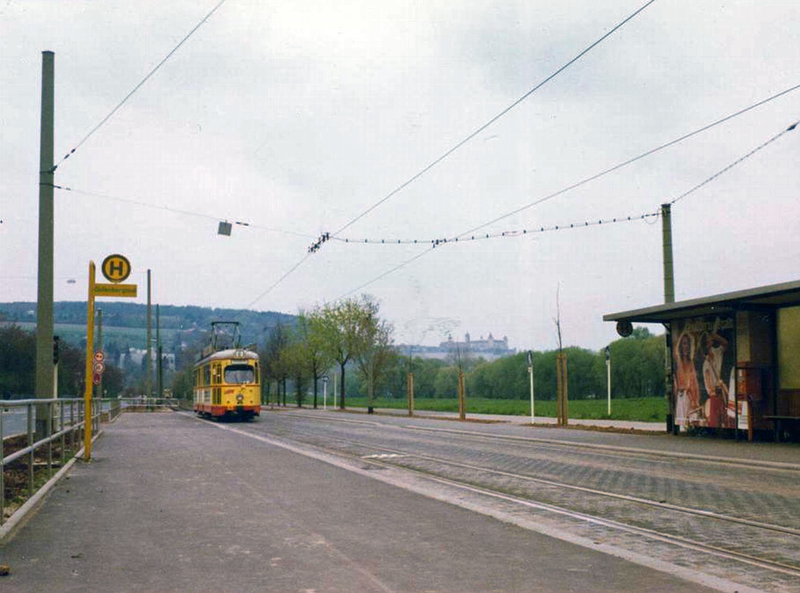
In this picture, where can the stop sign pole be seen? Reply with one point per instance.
(116, 268)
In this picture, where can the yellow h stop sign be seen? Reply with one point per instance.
(116, 268)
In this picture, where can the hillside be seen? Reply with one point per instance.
(125, 324)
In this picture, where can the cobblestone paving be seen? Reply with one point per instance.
(763, 495)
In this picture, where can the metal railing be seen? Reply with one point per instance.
(63, 432)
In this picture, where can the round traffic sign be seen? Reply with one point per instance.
(99, 356)
(99, 367)
(116, 268)
(96, 379)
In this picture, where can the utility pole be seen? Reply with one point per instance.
(44, 305)
(669, 297)
(148, 382)
(666, 232)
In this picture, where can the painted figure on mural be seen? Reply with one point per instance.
(687, 406)
(716, 406)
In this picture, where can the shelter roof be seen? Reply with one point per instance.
(773, 296)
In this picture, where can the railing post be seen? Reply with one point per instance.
(2, 470)
(50, 417)
(31, 454)
(63, 437)
(72, 428)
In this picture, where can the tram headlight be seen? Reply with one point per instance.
(240, 398)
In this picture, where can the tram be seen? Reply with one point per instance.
(226, 377)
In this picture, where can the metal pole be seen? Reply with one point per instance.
(608, 373)
(87, 394)
(148, 382)
(530, 372)
(325, 393)
(100, 347)
(44, 305)
(533, 404)
(159, 370)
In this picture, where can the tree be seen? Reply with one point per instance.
(311, 332)
(295, 362)
(375, 352)
(272, 365)
(339, 332)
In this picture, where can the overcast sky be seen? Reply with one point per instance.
(296, 117)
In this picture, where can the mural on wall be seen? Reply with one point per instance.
(703, 372)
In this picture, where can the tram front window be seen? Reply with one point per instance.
(239, 373)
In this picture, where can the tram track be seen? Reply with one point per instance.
(622, 517)
(721, 547)
(567, 486)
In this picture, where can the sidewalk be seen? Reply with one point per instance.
(169, 503)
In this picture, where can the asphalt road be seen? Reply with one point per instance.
(171, 503)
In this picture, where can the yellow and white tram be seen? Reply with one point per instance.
(227, 385)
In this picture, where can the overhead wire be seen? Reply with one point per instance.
(498, 235)
(138, 86)
(277, 282)
(631, 161)
(430, 249)
(614, 168)
(735, 163)
(179, 211)
(494, 119)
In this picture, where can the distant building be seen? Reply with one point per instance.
(136, 355)
(488, 349)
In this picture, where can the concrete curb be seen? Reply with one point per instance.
(21, 516)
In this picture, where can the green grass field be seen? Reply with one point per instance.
(74, 333)
(646, 409)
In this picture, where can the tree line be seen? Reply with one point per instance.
(18, 367)
(350, 342)
(637, 370)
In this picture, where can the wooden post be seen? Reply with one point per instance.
(562, 402)
(410, 394)
(462, 397)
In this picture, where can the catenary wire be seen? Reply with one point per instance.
(619, 165)
(179, 211)
(277, 282)
(630, 161)
(685, 194)
(497, 235)
(138, 86)
(736, 162)
(494, 119)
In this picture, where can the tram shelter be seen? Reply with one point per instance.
(733, 360)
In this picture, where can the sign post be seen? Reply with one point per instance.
(324, 392)
(116, 268)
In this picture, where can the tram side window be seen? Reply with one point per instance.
(217, 374)
(239, 373)
(207, 375)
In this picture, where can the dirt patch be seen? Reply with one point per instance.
(16, 477)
